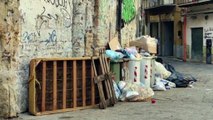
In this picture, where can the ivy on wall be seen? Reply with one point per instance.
(128, 10)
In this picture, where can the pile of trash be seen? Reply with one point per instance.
(167, 74)
(130, 52)
(132, 92)
(161, 76)
(166, 78)
(180, 79)
(142, 46)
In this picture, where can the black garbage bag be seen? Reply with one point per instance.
(180, 79)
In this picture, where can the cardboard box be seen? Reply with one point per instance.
(114, 44)
(147, 43)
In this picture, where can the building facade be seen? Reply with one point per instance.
(181, 26)
(164, 23)
(197, 18)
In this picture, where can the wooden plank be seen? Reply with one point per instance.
(66, 110)
(43, 99)
(107, 64)
(92, 86)
(105, 82)
(109, 81)
(74, 84)
(60, 59)
(64, 84)
(102, 104)
(84, 82)
(32, 88)
(54, 85)
(114, 99)
(112, 87)
(100, 88)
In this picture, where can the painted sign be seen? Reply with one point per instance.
(208, 34)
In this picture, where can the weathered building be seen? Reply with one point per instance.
(197, 19)
(50, 28)
(164, 23)
(181, 26)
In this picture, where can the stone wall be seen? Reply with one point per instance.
(9, 30)
(105, 21)
(82, 22)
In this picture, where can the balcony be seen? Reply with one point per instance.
(190, 3)
(157, 3)
(158, 6)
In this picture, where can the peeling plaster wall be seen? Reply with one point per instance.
(9, 30)
(106, 21)
(32, 29)
(82, 22)
(46, 31)
(51, 28)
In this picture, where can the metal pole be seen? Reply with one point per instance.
(184, 38)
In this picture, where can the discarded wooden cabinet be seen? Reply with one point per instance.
(60, 85)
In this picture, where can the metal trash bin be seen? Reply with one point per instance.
(208, 51)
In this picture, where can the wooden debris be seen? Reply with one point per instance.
(62, 84)
(104, 83)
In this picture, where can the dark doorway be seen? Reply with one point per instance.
(168, 38)
(154, 29)
(197, 44)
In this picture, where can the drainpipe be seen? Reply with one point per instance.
(161, 36)
(184, 38)
(119, 19)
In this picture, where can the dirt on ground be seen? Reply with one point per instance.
(176, 104)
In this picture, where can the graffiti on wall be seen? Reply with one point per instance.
(58, 3)
(44, 18)
(208, 33)
(52, 39)
(48, 25)
(46, 31)
(28, 37)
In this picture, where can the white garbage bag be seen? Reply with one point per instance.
(134, 92)
(168, 83)
(159, 85)
(116, 89)
(159, 68)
